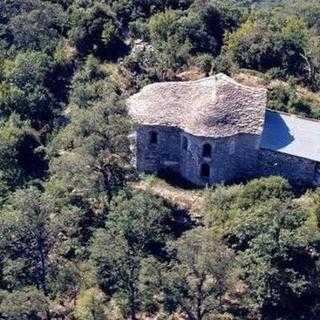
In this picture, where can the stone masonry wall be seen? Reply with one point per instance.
(298, 171)
(232, 158)
(153, 157)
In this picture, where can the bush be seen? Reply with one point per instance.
(284, 98)
(263, 189)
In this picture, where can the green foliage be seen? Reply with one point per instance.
(97, 134)
(199, 275)
(275, 240)
(205, 63)
(28, 94)
(37, 29)
(263, 189)
(28, 303)
(178, 36)
(90, 305)
(251, 46)
(141, 219)
(276, 263)
(161, 25)
(25, 240)
(21, 158)
(74, 240)
(136, 225)
(280, 45)
(285, 98)
(31, 25)
(316, 199)
(93, 29)
(218, 204)
(90, 84)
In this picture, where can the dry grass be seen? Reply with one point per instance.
(250, 79)
(190, 75)
(191, 200)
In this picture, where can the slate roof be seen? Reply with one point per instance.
(216, 106)
(292, 135)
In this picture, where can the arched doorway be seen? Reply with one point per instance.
(205, 170)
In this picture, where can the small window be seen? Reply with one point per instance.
(206, 150)
(153, 137)
(184, 143)
(205, 170)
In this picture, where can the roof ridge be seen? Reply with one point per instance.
(216, 77)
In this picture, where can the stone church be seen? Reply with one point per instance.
(216, 130)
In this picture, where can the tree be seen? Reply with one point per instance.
(275, 240)
(172, 51)
(20, 160)
(90, 305)
(284, 97)
(198, 278)
(136, 225)
(161, 25)
(215, 20)
(26, 240)
(281, 45)
(252, 46)
(25, 304)
(141, 218)
(292, 44)
(94, 30)
(90, 84)
(99, 128)
(260, 190)
(278, 260)
(118, 268)
(36, 27)
(28, 94)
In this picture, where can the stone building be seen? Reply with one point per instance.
(216, 130)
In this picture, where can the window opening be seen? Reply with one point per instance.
(206, 150)
(153, 138)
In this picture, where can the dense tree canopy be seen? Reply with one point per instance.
(78, 239)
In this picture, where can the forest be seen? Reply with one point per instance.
(77, 240)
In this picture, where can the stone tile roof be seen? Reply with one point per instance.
(292, 135)
(216, 106)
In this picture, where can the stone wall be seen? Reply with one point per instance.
(232, 158)
(298, 171)
(153, 157)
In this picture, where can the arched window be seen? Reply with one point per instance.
(206, 150)
(153, 137)
(205, 170)
(184, 143)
